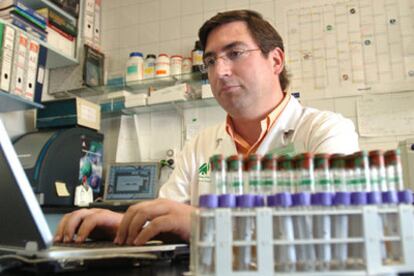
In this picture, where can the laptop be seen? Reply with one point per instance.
(25, 235)
(129, 183)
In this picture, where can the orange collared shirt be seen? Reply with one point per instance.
(241, 144)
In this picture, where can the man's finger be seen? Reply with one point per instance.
(155, 227)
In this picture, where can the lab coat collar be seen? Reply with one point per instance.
(283, 132)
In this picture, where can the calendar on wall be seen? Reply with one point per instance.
(341, 48)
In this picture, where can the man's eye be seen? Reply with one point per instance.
(234, 54)
(209, 62)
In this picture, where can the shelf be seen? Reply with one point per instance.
(38, 4)
(55, 59)
(168, 106)
(10, 102)
(133, 87)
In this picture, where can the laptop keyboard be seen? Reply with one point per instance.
(99, 244)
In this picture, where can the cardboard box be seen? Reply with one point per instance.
(178, 92)
(69, 112)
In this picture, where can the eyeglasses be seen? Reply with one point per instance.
(230, 56)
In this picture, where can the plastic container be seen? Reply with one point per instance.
(186, 67)
(162, 66)
(176, 64)
(149, 66)
(134, 67)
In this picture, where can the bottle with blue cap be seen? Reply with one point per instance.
(134, 67)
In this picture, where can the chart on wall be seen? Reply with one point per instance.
(345, 48)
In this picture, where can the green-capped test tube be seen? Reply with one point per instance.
(269, 174)
(253, 168)
(286, 174)
(235, 181)
(218, 174)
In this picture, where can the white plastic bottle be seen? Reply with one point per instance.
(149, 66)
(134, 67)
(162, 66)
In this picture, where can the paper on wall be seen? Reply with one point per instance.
(386, 115)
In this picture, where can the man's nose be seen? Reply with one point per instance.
(223, 67)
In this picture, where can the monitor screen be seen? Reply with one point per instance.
(134, 181)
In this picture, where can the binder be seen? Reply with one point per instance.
(31, 70)
(7, 58)
(18, 80)
(88, 20)
(97, 24)
(40, 74)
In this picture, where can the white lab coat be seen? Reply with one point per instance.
(302, 129)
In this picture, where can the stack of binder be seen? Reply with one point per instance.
(23, 62)
(23, 17)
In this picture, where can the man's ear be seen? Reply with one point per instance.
(278, 60)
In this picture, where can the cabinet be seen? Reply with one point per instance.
(55, 59)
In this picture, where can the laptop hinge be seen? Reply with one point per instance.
(31, 247)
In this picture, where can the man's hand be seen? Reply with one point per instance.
(84, 223)
(163, 216)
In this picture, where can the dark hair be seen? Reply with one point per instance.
(265, 36)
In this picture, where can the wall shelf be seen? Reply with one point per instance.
(10, 102)
(36, 4)
(55, 58)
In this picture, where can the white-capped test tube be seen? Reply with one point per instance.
(342, 200)
(322, 199)
(305, 184)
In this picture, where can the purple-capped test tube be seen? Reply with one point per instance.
(207, 202)
(322, 200)
(305, 185)
(341, 200)
(244, 232)
(283, 230)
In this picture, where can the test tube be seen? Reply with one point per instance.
(218, 174)
(394, 194)
(235, 181)
(253, 168)
(377, 177)
(323, 199)
(207, 233)
(269, 174)
(342, 199)
(305, 183)
(357, 184)
(286, 174)
(245, 232)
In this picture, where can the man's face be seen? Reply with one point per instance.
(246, 86)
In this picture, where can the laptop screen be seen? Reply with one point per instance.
(23, 223)
(132, 181)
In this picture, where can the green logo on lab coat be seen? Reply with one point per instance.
(204, 168)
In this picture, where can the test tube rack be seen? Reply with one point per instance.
(371, 240)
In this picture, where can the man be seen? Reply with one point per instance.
(244, 58)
